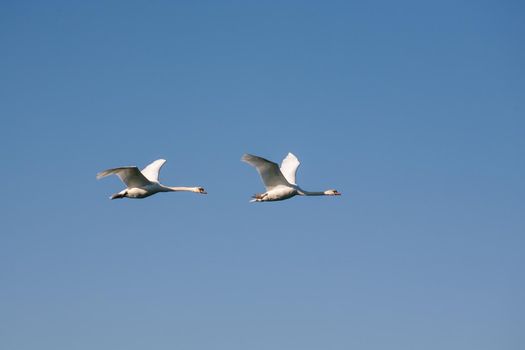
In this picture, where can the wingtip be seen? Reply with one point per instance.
(102, 174)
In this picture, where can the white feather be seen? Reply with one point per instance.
(289, 167)
(151, 172)
(130, 175)
(269, 171)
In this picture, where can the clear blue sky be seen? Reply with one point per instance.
(414, 110)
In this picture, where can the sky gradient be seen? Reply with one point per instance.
(413, 110)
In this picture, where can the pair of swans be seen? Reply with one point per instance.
(279, 182)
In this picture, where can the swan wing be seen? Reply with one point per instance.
(289, 167)
(151, 172)
(269, 171)
(130, 175)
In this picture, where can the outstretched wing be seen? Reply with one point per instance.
(269, 171)
(289, 167)
(130, 175)
(151, 172)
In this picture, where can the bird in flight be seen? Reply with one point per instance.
(143, 183)
(280, 182)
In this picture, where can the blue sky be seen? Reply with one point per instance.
(414, 110)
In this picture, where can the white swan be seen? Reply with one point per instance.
(280, 183)
(142, 184)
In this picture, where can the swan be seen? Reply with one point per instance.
(143, 183)
(280, 182)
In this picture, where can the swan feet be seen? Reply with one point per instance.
(259, 197)
(118, 195)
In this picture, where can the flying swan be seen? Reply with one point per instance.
(280, 182)
(142, 184)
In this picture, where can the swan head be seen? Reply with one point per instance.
(332, 193)
(200, 190)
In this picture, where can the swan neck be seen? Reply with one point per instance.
(179, 189)
(309, 193)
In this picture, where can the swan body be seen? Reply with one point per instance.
(280, 181)
(143, 183)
